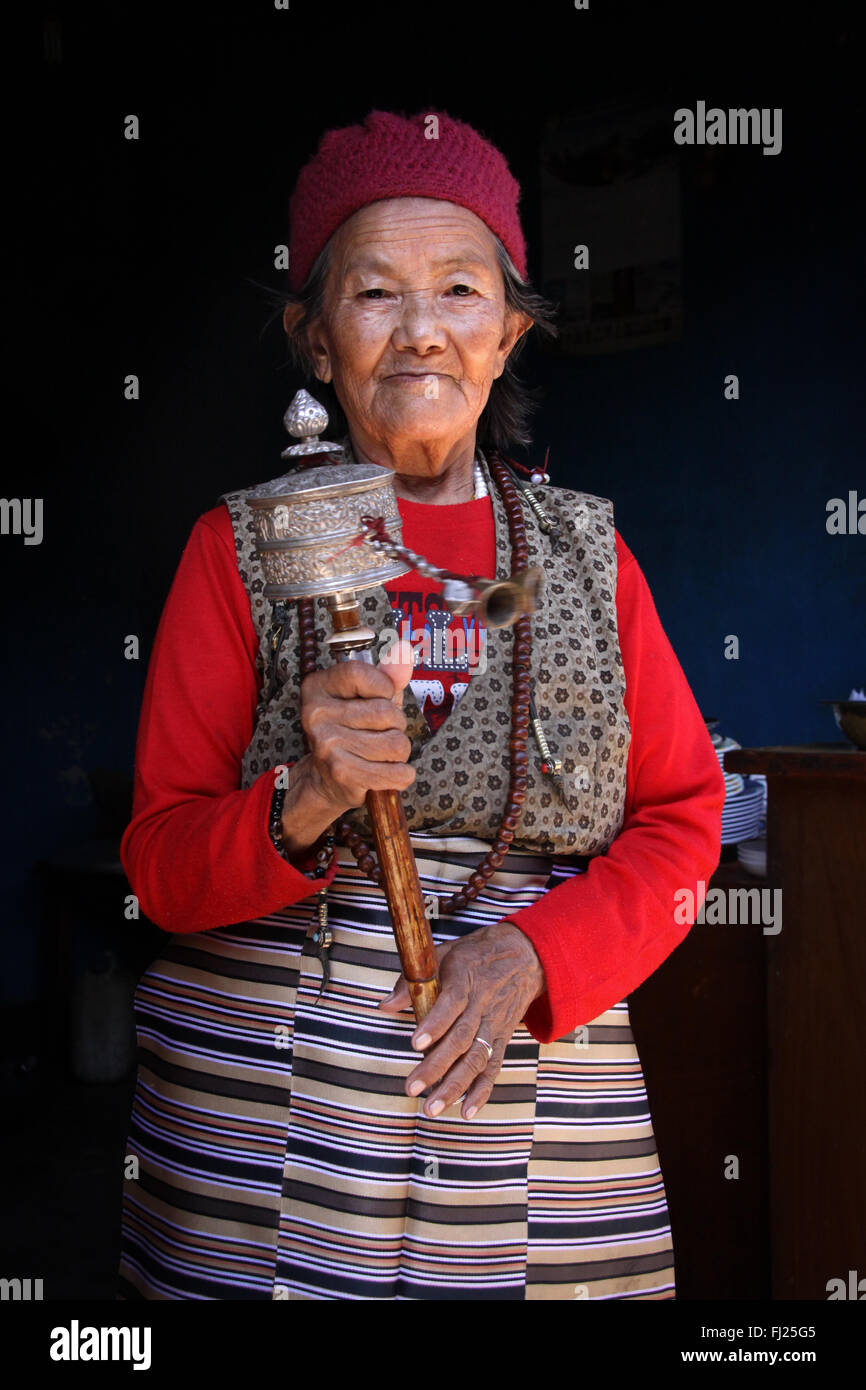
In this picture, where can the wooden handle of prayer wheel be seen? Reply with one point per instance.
(402, 888)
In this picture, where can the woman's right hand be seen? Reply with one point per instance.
(353, 718)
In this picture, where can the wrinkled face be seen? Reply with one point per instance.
(415, 328)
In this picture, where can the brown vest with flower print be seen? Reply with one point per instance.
(462, 770)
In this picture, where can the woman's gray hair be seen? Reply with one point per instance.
(505, 418)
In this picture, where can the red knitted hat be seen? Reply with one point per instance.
(391, 156)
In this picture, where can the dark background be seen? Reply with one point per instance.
(156, 257)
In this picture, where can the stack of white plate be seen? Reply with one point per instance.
(744, 811)
(742, 815)
(752, 854)
(761, 779)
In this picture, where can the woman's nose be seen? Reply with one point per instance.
(419, 324)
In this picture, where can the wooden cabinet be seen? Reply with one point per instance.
(754, 1046)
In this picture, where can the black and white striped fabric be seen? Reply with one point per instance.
(279, 1157)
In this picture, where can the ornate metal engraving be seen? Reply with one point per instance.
(310, 537)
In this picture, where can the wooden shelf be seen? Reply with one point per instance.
(791, 761)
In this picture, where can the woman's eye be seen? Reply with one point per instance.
(376, 292)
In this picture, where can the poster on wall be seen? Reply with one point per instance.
(611, 229)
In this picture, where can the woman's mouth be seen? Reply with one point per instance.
(413, 376)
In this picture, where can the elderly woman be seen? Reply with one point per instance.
(297, 1135)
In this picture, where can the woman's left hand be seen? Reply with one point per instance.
(488, 980)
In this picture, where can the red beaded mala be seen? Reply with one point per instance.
(520, 712)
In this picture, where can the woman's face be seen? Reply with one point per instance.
(415, 327)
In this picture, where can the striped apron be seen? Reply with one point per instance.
(278, 1155)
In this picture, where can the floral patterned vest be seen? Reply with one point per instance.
(462, 770)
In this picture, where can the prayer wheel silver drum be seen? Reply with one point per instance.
(310, 537)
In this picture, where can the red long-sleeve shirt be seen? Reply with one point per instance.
(197, 851)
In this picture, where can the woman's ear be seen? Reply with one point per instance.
(292, 315)
(319, 352)
(516, 325)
